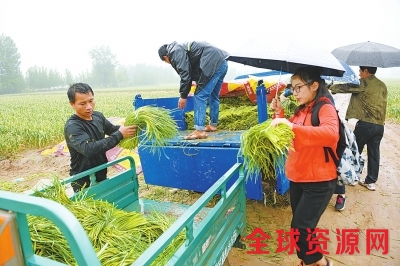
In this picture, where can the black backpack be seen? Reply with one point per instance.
(346, 157)
(341, 146)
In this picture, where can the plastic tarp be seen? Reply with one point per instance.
(247, 85)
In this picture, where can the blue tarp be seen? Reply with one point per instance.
(348, 77)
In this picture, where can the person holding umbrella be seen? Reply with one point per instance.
(368, 104)
(205, 64)
(312, 179)
(369, 100)
(339, 190)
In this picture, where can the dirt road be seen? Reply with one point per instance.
(365, 210)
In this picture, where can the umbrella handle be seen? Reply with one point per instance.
(279, 83)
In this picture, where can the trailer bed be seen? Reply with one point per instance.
(210, 232)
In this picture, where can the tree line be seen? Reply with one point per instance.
(105, 72)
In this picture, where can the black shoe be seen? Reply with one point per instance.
(340, 202)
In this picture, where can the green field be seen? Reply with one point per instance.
(36, 120)
(393, 106)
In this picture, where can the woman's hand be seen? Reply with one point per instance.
(278, 121)
(276, 106)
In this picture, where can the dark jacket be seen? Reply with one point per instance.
(194, 61)
(87, 143)
(368, 101)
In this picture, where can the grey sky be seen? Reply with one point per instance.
(59, 34)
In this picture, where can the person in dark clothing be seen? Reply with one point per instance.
(368, 105)
(207, 66)
(85, 132)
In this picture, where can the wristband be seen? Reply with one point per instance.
(279, 114)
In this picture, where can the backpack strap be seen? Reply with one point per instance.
(315, 113)
(315, 122)
(333, 156)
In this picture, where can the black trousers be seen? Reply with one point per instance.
(340, 189)
(308, 202)
(371, 135)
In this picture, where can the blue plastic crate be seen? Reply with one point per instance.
(168, 103)
(196, 165)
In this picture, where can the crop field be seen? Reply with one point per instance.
(29, 121)
(393, 106)
(36, 120)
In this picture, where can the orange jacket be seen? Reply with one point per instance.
(306, 163)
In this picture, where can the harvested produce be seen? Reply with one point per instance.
(155, 125)
(118, 237)
(289, 105)
(239, 113)
(235, 113)
(264, 148)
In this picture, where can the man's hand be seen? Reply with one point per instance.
(181, 103)
(329, 85)
(128, 131)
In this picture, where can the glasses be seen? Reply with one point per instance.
(297, 88)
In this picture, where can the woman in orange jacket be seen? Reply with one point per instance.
(312, 179)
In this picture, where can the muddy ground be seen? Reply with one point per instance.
(364, 210)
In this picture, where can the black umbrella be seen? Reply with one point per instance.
(368, 54)
(286, 56)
